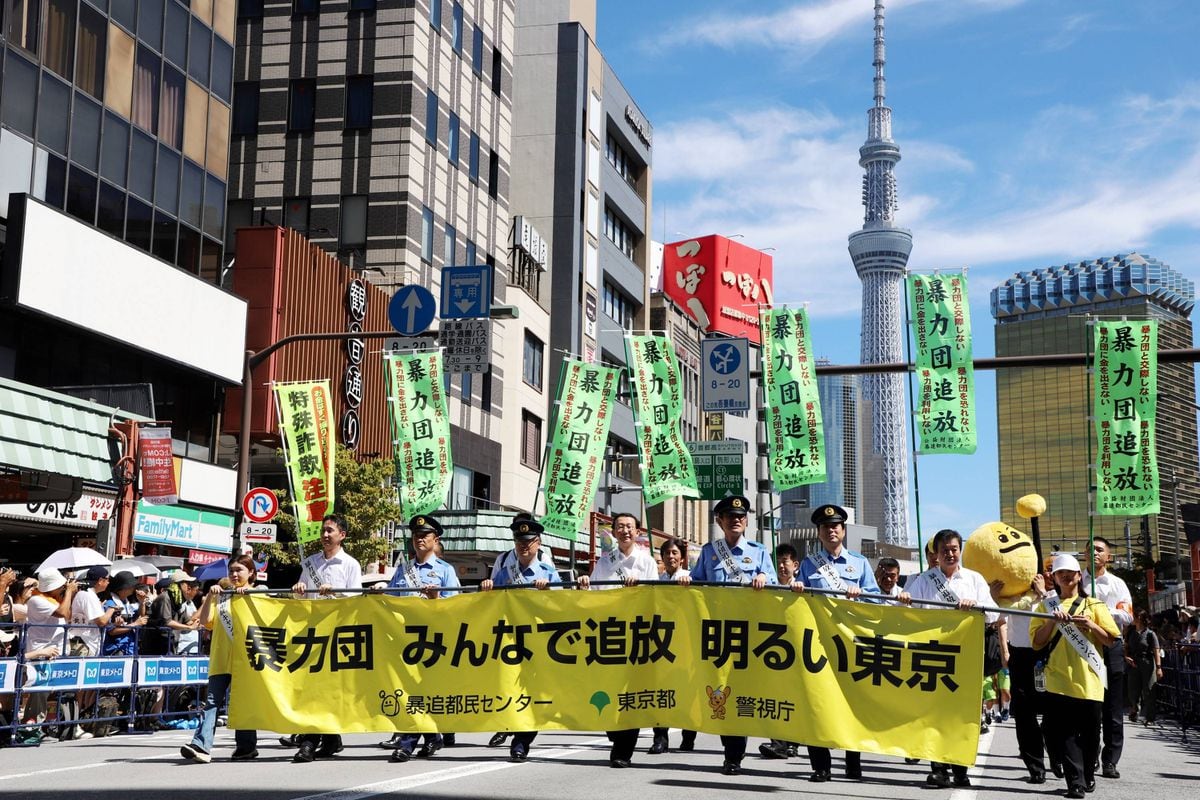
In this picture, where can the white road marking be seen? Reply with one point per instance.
(985, 747)
(413, 781)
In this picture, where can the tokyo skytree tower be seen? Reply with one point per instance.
(880, 253)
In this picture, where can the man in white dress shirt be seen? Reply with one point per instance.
(321, 574)
(1113, 592)
(950, 581)
(629, 564)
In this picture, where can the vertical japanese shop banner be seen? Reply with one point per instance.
(667, 469)
(575, 456)
(1125, 392)
(158, 467)
(941, 321)
(795, 438)
(306, 428)
(420, 430)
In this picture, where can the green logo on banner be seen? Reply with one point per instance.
(667, 469)
(306, 427)
(945, 371)
(575, 458)
(420, 430)
(794, 434)
(1125, 392)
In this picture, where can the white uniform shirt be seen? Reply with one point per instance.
(84, 608)
(503, 561)
(638, 564)
(45, 629)
(965, 583)
(341, 572)
(1112, 590)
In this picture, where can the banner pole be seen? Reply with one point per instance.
(1089, 375)
(287, 459)
(912, 423)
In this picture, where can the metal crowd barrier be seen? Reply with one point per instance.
(1177, 695)
(67, 696)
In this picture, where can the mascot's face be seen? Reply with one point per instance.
(1000, 553)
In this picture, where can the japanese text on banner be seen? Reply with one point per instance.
(308, 441)
(420, 430)
(1125, 395)
(794, 432)
(667, 469)
(575, 457)
(945, 370)
(717, 659)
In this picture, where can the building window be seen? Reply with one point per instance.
(619, 308)
(621, 161)
(473, 158)
(89, 52)
(457, 38)
(493, 174)
(465, 388)
(250, 9)
(618, 232)
(295, 214)
(23, 23)
(427, 235)
(306, 7)
(452, 134)
(352, 226)
(485, 390)
(170, 117)
(362, 5)
(360, 98)
(302, 107)
(435, 14)
(477, 51)
(471, 252)
(451, 243)
(531, 440)
(431, 118)
(146, 71)
(531, 370)
(624, 462)
(497, 70)
(60, 36)
(245, 108)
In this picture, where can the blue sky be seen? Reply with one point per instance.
(1033, 133)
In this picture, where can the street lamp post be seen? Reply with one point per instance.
(769, 514)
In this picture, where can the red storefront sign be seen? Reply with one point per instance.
(720, 283)
(201, 557)
(158, 467)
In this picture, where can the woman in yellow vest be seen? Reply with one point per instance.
(1069, 651)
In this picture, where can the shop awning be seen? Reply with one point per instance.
(55, 433)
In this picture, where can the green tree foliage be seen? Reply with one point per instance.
(365, 497)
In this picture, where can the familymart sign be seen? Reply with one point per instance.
(179, 526)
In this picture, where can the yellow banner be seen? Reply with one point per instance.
(841, 674)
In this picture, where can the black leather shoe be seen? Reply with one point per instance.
(731, 768)
(912, 761)
(305, 754)
(518, 753)
(329, 749)
(1074, 794)
(1090, 786)
(687, 746)
(427, 750)
(854, 773)
(1056, 768)
(619, 763)
(1037, 777)
(962, 783)
(767, 750)
(937, 780)
(657, 748)
(497, 739)
(1110, 771)
(399, 756)
(820, 776)
(448, 740)
(392, 743)
(288, 741)
(244, 755)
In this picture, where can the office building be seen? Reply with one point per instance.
(1042, 413)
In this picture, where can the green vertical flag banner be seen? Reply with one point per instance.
(794, 434)
(306, 428)
(945, 369)
(1125, 391)
(575, 457)
(420, 430)
(667, 469)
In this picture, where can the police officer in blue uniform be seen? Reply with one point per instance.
(733, 558)
(435, 578)
(527, 568)
(834, 567)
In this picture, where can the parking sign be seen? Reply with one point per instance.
(725, 372)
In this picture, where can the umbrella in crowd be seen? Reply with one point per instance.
(72, 558)
(135, 567)
(213, 571)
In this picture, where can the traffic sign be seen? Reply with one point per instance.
(719, 467)
(260, 505)
(467, 292)
(467, 343)
(408, 344)
(725, 374)
(411, 309)
(258, 533)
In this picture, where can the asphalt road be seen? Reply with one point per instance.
(1157, 763)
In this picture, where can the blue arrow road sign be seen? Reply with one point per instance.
(467, 292)
(411, 309)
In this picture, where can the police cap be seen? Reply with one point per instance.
(524, 528)
(424, 522)
(734, 504)
(829, 514)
